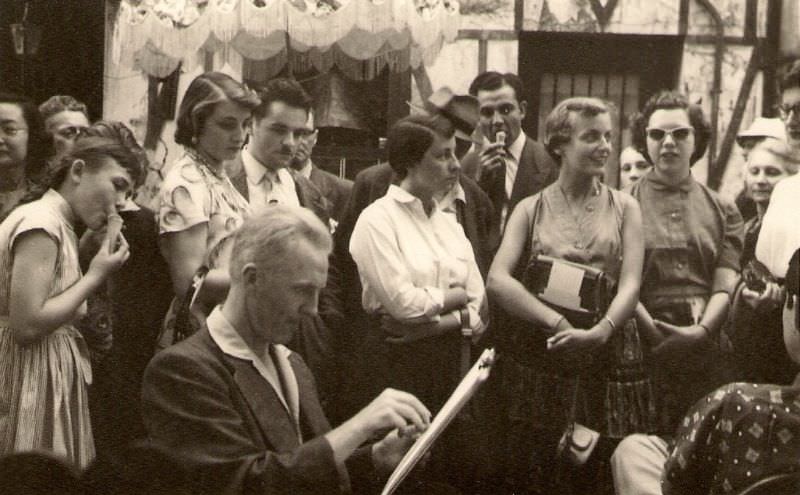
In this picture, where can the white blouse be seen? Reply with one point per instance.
(779, 237)
(407, 260)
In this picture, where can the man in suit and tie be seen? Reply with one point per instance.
(240, 409)
(334, 189)
(261, 172)
(508, 164)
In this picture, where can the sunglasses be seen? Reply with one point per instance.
(70, 132)
(787, 109)
(677, 134)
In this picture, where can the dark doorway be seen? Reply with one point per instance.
(622, 69)
(69, 59)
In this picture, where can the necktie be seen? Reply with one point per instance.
(281, 377)
(494, 183)
(268, 180)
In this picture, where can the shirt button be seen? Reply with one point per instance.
(675, 216)
(578, 245)
(679, 266)
(590, 208)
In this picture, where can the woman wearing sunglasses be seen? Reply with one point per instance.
(693, 244)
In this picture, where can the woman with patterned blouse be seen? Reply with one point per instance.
(198, 206)
(693, 243)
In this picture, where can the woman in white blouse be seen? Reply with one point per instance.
(417, 268)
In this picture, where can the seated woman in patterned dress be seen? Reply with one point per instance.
(44, 362)
(577, 219)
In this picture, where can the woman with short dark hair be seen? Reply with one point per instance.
(693, 243)
(418, 272)
(23, 149)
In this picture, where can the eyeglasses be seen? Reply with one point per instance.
(12, 131)
(678, 134)
(787, 109)
(70, 132)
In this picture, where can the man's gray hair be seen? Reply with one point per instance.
(271, 237)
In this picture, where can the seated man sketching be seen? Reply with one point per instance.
(240, 408)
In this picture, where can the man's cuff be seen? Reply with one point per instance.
(364, 478)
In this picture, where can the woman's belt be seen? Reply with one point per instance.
(678, 310)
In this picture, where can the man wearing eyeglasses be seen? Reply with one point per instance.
(507, 163)
(64, 119)
(261, 172)
(335, 189)
(779, 237)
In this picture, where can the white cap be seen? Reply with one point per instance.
(764, 127)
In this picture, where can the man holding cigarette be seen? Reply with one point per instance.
(508, 164)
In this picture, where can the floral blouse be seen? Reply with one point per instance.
(193, 193)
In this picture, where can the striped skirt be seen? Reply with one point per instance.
(44, 403)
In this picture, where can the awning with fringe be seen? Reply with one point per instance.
(360, 37)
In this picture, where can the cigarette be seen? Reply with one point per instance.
(500, 137)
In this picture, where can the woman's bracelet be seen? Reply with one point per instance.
(610, 322)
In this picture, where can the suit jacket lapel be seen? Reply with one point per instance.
(319, 180)
(239, 176)
(273, 419)
(525, 180)
(312, 417)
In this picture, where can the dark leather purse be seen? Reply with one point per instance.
(579, 292)
(756, 276)
(185, 319)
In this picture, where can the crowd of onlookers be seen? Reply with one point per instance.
(271, 327)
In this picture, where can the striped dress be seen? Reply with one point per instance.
(43, 386)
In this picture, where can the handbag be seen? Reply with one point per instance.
(183, 318)
(579, 292)
(756, 276)
(578, 441)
